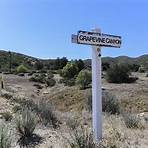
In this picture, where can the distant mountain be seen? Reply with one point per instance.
(141, 60)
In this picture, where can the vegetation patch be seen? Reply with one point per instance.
(132, 121)
(25, 126)
(109, 102)
(135, 105)
(5, 137)
(21, 69)
(7, 116)
(119, 73)
(83, 79)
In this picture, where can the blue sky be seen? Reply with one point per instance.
(43, 28)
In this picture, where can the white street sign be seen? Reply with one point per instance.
(98, 39)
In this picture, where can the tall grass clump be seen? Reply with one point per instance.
(132, 121)
(46, 114)
(109, 102)
(5, 137)
(25, 126)
(81, 138)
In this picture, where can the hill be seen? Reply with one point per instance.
(141, 60)
(17, 59)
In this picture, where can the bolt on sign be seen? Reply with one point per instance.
(97, 40)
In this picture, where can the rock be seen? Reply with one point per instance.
(45, 92)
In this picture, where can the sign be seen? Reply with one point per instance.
(98, 39)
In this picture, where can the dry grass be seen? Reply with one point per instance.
(68, 99)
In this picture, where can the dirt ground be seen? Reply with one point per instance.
(69, 100)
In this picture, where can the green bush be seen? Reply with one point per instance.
(109, 103)
(21, 69)
(118, 73)
(5, 137)
(83, 79)
(38, 78)
(70, 70)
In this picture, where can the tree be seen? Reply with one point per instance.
(63, 62)
(83, 79)
(80, 64)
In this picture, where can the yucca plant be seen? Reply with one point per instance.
(5, 137)
(25, 126)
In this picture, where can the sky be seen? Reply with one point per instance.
(43, 28)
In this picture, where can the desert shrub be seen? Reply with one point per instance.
(7, 116)
(25, 125)
(141, 69)
(21, 69)
(5, 137)
(46, 114)
(83, 79)
(81, 138)
(70, 70)
(50, 82)
(131, 120)
(43, 78)
(38, 78)
(118, 73)
(109, 102)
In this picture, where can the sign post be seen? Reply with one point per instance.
(96, 91)
(97, 40)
